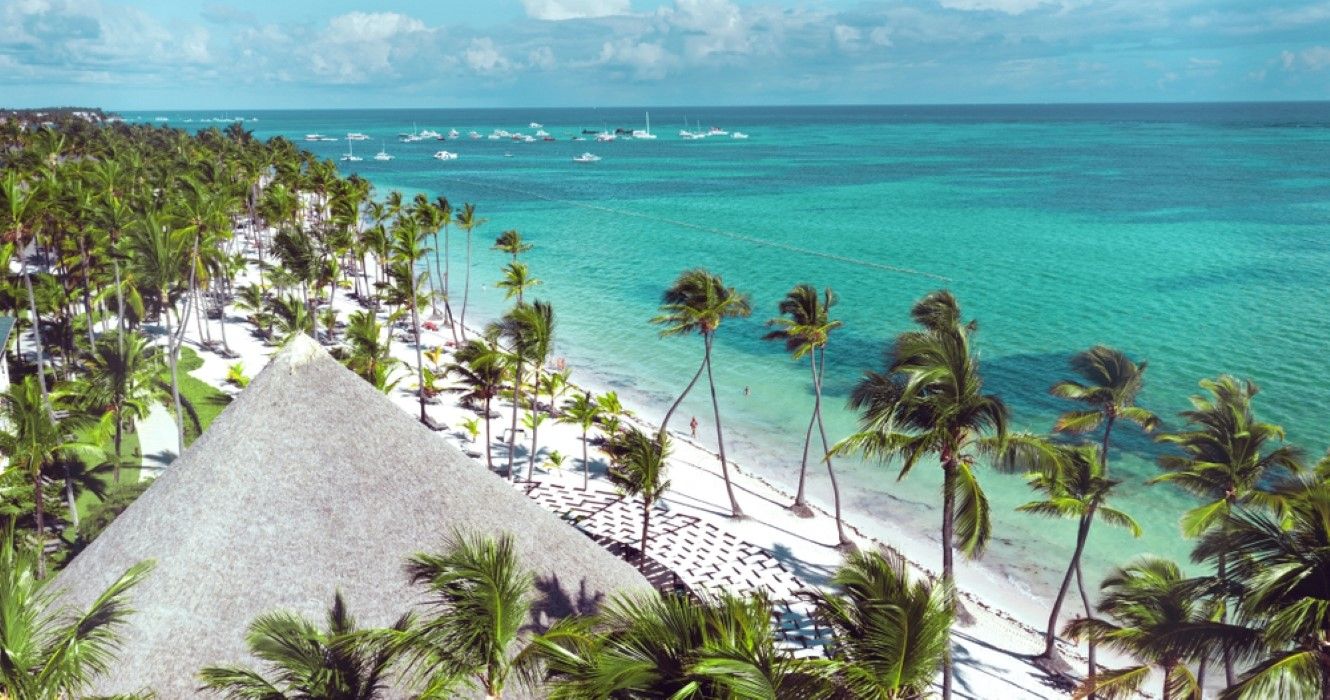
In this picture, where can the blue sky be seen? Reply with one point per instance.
(164, 54)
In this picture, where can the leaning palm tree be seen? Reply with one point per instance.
(698, 302)
(51, 651)
(805, 326)
(582, 411)
(528, 330)
(1073, 485)
(408, 247)
(930, 401)
(891, 634)
(306, 662)
(1227, 457)
(1285, 562)
(477, 600)
(1111, 383)
(640, 472)
(671, 646)
(481, 368)
(1150, 602)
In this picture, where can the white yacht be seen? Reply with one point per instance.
(645, 134)
(535, 125)
(739, 135)
(445, 155)
(428, 134)
(542, 133)
(717, 131)
(586, 158)
(453, 134)
(605, 136)
(314, 137)
(474, 134)
(383, 154)
(356, 136)
(350, 155)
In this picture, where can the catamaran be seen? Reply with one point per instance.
(356, 136)
(383, 153)
(350, 154)
(586, 158)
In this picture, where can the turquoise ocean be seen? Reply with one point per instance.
(1196, 237)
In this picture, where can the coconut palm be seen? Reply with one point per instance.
(19, 209)
(511, 242)
(1227, 456)
(805, 327)
(891, 634)
(477, 600)
(1073, 485)
(671, 646)
(640, 472)
(51, 651)
(481, 368)
(930, 401)
(122, 377)
(467, 220)
(34, 441)
(408, 247)
(1112, 382)
(371, 351)
(307, 662)
(582, 411)
(1284, 560)
(516, 280)
(1150, 602)
(698, 302)
(528, 329)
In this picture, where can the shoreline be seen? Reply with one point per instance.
(993, 627)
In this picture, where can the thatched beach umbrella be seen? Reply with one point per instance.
(310, 481)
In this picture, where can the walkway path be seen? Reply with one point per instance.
(157, 441)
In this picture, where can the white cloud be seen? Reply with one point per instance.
(647, 60)
(541, 57)
(1011, 7)
(482, 56)
(880, 36)
(847, 37)
(574, 9)
(358, 46)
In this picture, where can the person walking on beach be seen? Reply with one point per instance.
(692, 425)
(745, 391)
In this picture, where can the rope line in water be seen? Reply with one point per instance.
(734, 235)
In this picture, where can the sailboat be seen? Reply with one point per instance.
(383, 153)
(640, 134)
(350, 154)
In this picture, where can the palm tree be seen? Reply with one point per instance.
(891, 634)
(641, 472)
(467, 221)
(34, 441)
(371, 351)
(122, 378)
(307, 662)
(516, 280)
(671, 646)
(51, 651)
(538, 320)
(19, 209)
(528, 329)
(1112, 382)
(408, 246)
(481, 369)
(1284, 560)
(930, 400)
(511, 242)
(1226, 458)
(698, 302)
(582, 411)
(1150, 602)
(478, 598)
(805, 333)
(1074, 485)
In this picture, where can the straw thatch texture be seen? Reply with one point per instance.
(310, 481)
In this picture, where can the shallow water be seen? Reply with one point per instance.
(1195, 236)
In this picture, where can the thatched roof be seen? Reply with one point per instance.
(310, 481)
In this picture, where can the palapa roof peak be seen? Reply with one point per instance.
(309, 482)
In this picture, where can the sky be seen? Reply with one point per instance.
(172, 54)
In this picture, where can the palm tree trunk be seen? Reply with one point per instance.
(221, 322)
(489, 439)
(1221, 573)
(948, 570)
(119, 434)
(69, 499)
(37, 336)
(447, 291)
(586, 463)
(420, 361)
(535, 425)
(175, 377)
(119, 308)
(466, 285)
(735, 511)
(512, 432)
(1092, 668)
(842, 539)
(646, 525)
(1050, 636)
(434, 298)
(87, 290)
(664, 423)
(800, 505)
(39, 511)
